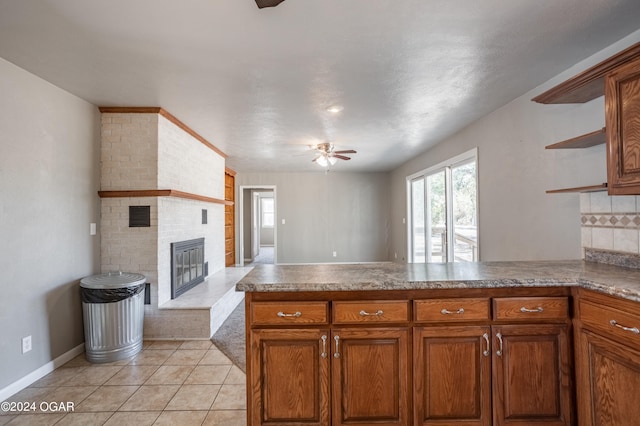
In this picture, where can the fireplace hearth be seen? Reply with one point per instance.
(188, 267)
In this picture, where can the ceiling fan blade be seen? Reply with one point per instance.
(347, 151)
(268, 3)
(342, 157)
(314, 160)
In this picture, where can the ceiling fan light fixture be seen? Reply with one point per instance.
(322, 161)
(335, 109)
(332, 160)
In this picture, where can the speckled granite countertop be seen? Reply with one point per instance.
(614, 280)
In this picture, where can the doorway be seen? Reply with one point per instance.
(258, 225)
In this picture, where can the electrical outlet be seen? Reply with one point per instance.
(395, 255)
(26, 344)
(92, 229)
(335, 254)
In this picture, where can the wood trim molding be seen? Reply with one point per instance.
(589, 84)
(168, 116)
(162, 193)
(229, 171)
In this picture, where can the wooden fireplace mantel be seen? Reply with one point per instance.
(162, 193)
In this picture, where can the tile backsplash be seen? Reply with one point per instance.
(610, 222)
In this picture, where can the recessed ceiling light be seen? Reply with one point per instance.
(334, 109)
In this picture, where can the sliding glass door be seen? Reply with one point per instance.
(443, 213)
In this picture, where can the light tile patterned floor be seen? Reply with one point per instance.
(168, 383)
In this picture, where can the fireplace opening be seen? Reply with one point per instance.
(187, 265)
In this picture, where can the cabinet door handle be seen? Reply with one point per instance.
(324, 346)
(634, 330)
(337, 352)
(448, 312)
(364, 313)
(532, 311)
(485, 336)
(499, 351)
(295, 315)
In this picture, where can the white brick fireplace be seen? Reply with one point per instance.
(150, 159)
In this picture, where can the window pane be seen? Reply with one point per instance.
(266, 205)
(465, 226)
(436, 218)
(417, 222)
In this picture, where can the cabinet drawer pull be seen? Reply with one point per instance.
(534, 311)
(324, 346)
(634, 330)
(283, 315)
(485, 336)
(448, 312)
(364, 313)
(337, 352)
(499, 351)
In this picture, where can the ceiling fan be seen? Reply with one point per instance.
(268, 3)
(327, 155)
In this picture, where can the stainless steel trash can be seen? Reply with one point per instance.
(113, 313)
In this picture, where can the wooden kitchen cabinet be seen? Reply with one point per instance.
(608, 361)
(452, 375)
(493, 373)
(622, 115)
(322, 376)
(489, 357)
(290, 384)
(370, 379)
(532, 375)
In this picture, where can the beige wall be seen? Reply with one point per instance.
(49, 178)
(325, 212)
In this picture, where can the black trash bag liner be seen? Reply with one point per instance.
(109, 295)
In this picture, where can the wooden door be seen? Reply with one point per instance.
(608, 376)
(289, 379)
(229, 218)
(531, 375)
(622, 113)
(370, 380)
(452, 375)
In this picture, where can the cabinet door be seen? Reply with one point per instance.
(531, 375)
(370, 380)
(622, 112)
(289, 377)
(452, 379)
(608, 377)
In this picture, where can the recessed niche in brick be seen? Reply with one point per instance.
(204, 216)
(139, 216)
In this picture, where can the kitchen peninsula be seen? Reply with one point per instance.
(475, 343)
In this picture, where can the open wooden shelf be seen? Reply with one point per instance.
(589, 84)
(592, 188)
(584, 141)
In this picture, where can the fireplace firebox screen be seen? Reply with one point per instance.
(187, 265)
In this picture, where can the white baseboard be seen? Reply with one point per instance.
(36, 375)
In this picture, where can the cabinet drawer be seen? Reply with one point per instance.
(287, 313)
(611, 321)
(447, 310)
(370, 312)
(531, 308)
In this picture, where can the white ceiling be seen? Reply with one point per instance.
(256, 83)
